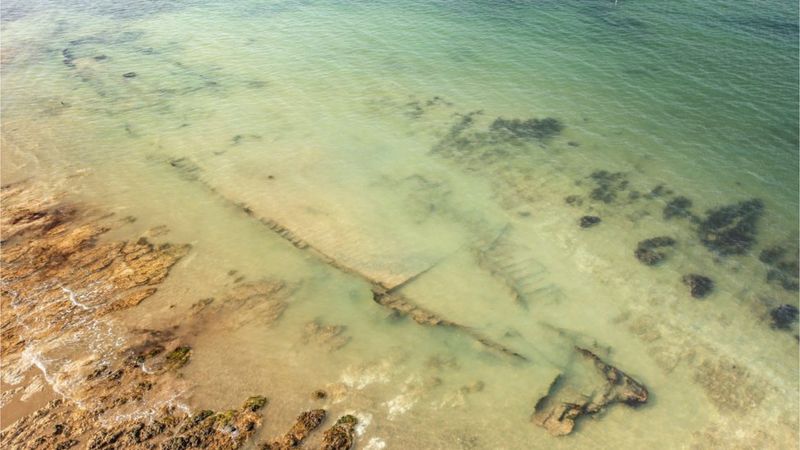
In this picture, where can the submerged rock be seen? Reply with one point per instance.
(677, 207)
(646, 250)
(341, 436)
(784, 316)
(589, 221)
(731, 229)
(129, 75)
(330, 336)
(699, 285)
(319, 394)
(573, 200)
(574, 395)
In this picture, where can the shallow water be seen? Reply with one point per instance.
(338, 123)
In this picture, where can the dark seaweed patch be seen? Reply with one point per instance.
(416, 108)
(538, 129)
(731, 229)
(699, 285)
(785, 272)
(464, 122)
(69, 58)
(772, 254)
(677, 207)
(573, 200)
(589, 221)
(647, 250)
(608, 185)
(784, 316)
(659, 191)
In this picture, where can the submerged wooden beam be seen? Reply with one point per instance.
(386, 296)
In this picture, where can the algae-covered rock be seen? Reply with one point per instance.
(305, 423)
(178, 357)
(255, 403)
(341, 436)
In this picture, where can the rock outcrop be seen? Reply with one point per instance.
(306, 422)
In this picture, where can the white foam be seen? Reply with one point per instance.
(375, 443)
(364, 419)
(361, 378)
(73, 300)
(400, 405)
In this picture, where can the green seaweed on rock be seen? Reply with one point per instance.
(179, 357)
(255, 403)
(341, 436)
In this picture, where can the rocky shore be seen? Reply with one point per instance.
(60, 276)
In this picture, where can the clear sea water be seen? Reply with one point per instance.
(334, 120)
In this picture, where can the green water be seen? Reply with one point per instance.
(335, 120)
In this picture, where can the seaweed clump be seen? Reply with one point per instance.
(646, 251)
(784, 316)
(255, 403)
(178, 357)
(534, 129)
(589, 221)
(699, 285)
(608, 185)
(783, 271)
(731, 229)
(678, 207)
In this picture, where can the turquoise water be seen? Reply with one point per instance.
(339, 121)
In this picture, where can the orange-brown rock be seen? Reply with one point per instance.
(58, 277)
(119, 408)
(56, 270)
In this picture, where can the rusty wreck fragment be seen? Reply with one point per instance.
(587, 392)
